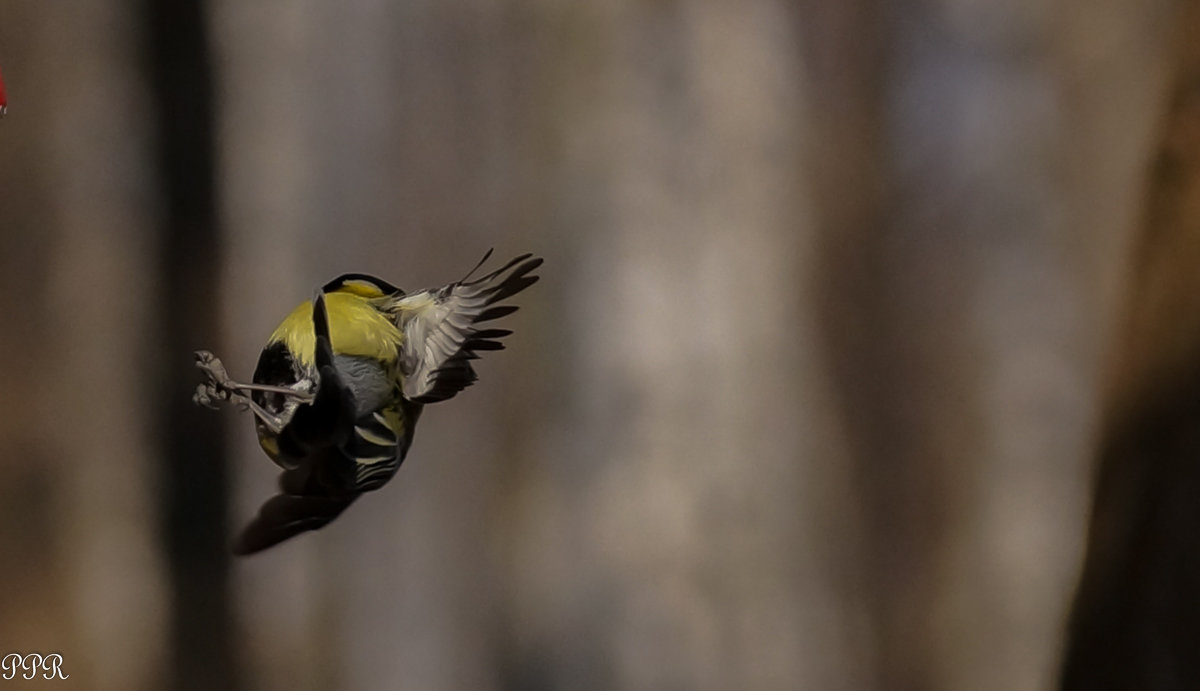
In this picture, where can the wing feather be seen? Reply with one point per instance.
(441, 336)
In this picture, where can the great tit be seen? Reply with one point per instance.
(341, 383)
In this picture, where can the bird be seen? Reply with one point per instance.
(342, 381)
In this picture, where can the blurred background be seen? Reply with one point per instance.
(811, 395)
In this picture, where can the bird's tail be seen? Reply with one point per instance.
(288, 515)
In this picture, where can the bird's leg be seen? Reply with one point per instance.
(220, 388)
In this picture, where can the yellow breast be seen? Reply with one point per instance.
(355, 328)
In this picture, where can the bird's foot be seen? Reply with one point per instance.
(218, 387)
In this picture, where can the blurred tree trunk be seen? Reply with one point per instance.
(965, 279)
(31, 502)
(80, 570)
(694, 487)
(194, 470)
(1135, 623)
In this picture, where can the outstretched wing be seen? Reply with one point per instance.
(441, 332)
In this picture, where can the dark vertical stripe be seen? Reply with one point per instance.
(194, 480)
(1135, 621)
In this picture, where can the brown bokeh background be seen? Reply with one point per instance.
(827, 348)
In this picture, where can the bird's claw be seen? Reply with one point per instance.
(212, 366)
(217, 389)
(209, 396)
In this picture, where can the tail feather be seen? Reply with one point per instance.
(287, 515)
